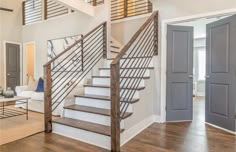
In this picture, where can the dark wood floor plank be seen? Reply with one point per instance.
(193, 136)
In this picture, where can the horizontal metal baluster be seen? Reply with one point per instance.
(83, 75)
(133, 82)
(136, 84)
(73, 67)
(74, 76)
(136, 62)
(123, 65)
(132, 50)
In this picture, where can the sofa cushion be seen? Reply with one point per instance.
(32, 84)
(39, 96)
(26, 94)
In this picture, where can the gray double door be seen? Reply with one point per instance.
(220, 73)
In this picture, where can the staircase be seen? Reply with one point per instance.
(101, 111)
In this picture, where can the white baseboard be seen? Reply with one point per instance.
(129, 134)
(157, 119)
(226, 130)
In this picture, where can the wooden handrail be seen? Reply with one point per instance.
(141, 48)
(133, 39)
(78, 41)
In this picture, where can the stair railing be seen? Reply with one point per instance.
(37, 11)
(127, 8)
(95, 2)
(127, 71)
(64, 72)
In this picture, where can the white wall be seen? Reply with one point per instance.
(68, 25)
(10, 28)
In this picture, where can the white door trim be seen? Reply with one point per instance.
(164, 24)
(25, 61)
(4, 61)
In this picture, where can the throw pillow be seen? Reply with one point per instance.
(32, 84)
(40, 87)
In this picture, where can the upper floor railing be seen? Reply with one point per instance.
(38, 10)
(127, 8)
(128, 70)
(95, 2)
(65, 71)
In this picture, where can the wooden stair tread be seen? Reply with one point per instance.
(150, 68)
(106, 98)
(115, 47)
(94, 110)
(145, 77)
(106, 86)
(115, 52)
(84, 125)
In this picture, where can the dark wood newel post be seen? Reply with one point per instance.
(115, 107)
(48, 98)
(105, 40)
(156, 26)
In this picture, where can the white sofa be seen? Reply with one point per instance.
(36, 102)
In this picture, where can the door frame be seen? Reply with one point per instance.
(25, 61)
(163, 47)
(4, 61)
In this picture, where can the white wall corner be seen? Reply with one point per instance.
(130, 133)
(157, 119)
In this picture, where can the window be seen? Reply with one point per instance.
(201, 64)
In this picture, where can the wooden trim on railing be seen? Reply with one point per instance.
(23, 12)
(48, 99)
(105, 40)
(45, 10)
(63, 52)
(133, 39)
(125, 8)
(156, 26)
(82, 51)
(115, 106)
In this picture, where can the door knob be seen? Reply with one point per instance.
(207, 76)
(190, 76)
(8, 74)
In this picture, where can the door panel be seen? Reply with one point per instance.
(221, 72)
(179, 73)
(12, 65)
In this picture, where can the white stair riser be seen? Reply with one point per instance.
(104, 91)
(97, 103)
(127, 72)
(132, 63)
(90, 117)
(107, 81)
(82, 135)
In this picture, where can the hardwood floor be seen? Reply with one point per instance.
(172, 137)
